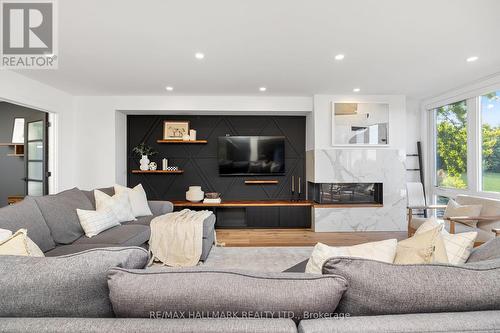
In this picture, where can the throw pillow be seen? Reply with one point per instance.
(94, 222)
(19, 244)
(382, 251)
(119, 203)
(73, 285)
(138, 199)
(424, 248)
(377, 288)
(487, 251)
(455, 209)
(135, 293)
(5, 234)
(458, 246)
(59, 212)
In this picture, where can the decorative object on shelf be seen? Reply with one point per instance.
(164, 164)
(212, 195)
(212, 198)
(144, 151)
(293, 186)
(195, 194)
(144, 163)
(175, 130)
(172, 168)
(186, 137)
(192, 135)
(299, 192)
(153, 166)
(18, 131)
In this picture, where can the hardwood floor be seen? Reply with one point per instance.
(300, 237)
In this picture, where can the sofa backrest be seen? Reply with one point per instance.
(26, 214)
(90, 194)
(490, 207)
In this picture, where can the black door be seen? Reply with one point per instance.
(36, 155)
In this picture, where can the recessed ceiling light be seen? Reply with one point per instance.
(339, 57)
(472, 59)
(262, 89)
(168, 88)
(199, 55)
(356, 90)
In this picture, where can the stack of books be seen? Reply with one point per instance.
(212, 201)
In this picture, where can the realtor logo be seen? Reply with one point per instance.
(28, 34)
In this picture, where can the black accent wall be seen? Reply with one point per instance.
(199, 161)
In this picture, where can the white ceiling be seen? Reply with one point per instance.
(130, 47)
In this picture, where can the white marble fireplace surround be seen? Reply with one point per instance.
(357, 165)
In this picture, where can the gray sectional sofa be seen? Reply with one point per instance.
(53, 224)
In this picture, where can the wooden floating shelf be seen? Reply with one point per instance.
(246, 203)
(183, 141)
(158, 171)
(18, 149)
(259, 182)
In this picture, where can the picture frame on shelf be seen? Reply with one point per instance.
(175, 129)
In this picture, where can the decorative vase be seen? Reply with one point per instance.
(144, 163)
(195, 194)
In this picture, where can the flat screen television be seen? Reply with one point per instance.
(251, 155)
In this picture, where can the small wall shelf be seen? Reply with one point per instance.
(183, 141)
(18, 149)
(158, 171)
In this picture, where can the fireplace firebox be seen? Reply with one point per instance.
(346, 193)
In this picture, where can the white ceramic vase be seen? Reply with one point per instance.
(195, 194)
(144, 163)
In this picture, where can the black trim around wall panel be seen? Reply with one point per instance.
(199, 161)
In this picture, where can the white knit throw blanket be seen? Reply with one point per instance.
(176, 238)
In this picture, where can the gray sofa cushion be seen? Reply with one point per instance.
(125, 235)
(377, 288)
(126, 325)
(297, 268)
(59, 211)
(160, 207)
(142, 220)
(25, 214)
(487, 251)
(136, 293)
(68, 286)
(464, 322)
(62, 250)
(90, 194)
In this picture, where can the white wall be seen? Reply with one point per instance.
(101, 126)
(18, 89)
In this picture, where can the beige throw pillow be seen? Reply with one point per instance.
(94, 222)
(382, 251)
(119, 203)
(19, 244)
(458, 246)
(424, 248)
(455, 209)
(138, 199)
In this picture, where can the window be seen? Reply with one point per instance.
(451, 145)
(490, 132)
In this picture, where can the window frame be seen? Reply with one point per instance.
(474, 145)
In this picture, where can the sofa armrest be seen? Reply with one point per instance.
(160, 207)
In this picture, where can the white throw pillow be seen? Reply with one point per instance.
(19, 244)
(119, 203)
(94, 222)
(458, 246)
(5, 234)
(138, 199)
(382, 251)
(454, 209)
